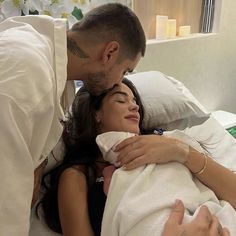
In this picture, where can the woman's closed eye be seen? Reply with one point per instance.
(123, 98)
(120, 98)
(121, 101)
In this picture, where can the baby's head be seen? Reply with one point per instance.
(107, 143)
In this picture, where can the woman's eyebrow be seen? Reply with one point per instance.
(122, 93)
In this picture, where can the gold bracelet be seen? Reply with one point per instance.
(203, 168)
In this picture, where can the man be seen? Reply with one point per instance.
(37, 56)
(35, 64)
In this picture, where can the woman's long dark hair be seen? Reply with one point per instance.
(79, 136)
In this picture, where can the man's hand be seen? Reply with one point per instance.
(38, 173)
(205, 224)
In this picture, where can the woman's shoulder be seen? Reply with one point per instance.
(73, 175)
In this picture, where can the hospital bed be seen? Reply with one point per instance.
(170, 105)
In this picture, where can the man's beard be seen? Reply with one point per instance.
(96, 83)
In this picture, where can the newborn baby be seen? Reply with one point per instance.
(107, 143)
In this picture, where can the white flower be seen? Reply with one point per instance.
(84, 5)
(69, 9)
(35, 5)
(14, 8)
(1, 17)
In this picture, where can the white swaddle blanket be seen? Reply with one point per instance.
(140, 201)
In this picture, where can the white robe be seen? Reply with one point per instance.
(33, 62)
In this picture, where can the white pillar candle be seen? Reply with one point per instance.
(184, 30)
(171, 28)
(161, 27)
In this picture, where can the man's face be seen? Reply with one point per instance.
(91, 64)
(103, 80)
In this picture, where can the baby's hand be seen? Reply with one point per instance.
(107, 174)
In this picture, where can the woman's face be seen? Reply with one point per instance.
(119, 111)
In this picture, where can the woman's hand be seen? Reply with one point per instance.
(145, 149)
(205, 224)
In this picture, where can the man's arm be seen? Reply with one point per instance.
(16, 169)
(38, 174)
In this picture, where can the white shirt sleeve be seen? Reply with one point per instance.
(33, 63)
(16, 169)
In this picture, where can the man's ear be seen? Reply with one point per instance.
(111, 52)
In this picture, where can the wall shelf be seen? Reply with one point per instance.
(186, 12)
(191, 36)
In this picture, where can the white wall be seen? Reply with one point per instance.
(207, 66)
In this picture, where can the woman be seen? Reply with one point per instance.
(69, 203)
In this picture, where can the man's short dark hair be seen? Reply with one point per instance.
(114, 21)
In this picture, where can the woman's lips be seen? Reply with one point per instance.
(133, 118)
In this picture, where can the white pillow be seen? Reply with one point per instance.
(216, 140)
(165, 99)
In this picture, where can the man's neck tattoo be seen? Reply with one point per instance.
(74, 48)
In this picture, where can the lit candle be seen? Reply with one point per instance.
(171, 28)
(161, 27)
(184, 30)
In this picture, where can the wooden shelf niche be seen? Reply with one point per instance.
(186, 12)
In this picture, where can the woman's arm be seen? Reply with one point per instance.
(219, 179)
(145, 149)
(72, 203)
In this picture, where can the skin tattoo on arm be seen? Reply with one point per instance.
(74, 48)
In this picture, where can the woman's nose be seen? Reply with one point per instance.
(134, 107)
